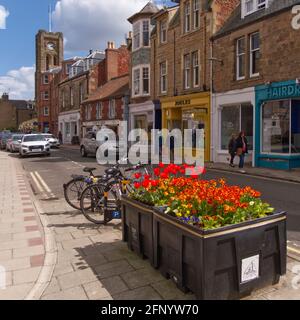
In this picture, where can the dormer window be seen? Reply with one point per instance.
(251, 6)
(163, 31)
(141, 34)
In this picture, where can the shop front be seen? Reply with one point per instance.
(141, 116)
(188, 112)
(69, 126)
(233, 112)
(278, 125)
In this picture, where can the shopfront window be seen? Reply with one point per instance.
(281, 127)
(235, 119)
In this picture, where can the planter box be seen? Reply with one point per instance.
(137, 223)
(226, 263)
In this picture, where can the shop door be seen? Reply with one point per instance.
(198, 119)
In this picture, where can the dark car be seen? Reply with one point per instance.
(4, 137)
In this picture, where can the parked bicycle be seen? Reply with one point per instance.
(74, 188)
(100, 202)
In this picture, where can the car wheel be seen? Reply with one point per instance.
(83, 152)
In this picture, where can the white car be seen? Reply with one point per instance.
(32, 144)
(54, 142)
(15, 144)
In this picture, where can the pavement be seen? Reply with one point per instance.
(50, 252)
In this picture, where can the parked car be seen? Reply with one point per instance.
(32, 144)
(15, 143)
(54, 142)
(89, 145)
(4, 137)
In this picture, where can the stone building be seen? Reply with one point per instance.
(180, 62)
(14, 112)
(256, 83)
(49, 56)
(144, 112)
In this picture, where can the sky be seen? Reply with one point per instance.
(86, 24)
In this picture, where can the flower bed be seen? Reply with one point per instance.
(206, 204)
(216, 240)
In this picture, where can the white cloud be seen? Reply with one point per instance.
(19, 83)
(89, 24)
(3, 15)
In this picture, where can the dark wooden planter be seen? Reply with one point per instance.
(227, 263)
(137, 222)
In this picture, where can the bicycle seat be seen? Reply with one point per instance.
(112, 171)
(89, 170)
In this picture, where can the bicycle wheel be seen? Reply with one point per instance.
(73, 190)
(95, 206)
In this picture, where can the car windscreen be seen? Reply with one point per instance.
(34, 138)
(16, 138)
(49, 136)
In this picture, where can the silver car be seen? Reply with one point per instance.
(54, 142)
(15, 143)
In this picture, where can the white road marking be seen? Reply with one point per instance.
(36, 182)
(43, 182)
(293, 250)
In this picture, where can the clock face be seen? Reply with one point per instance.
(50, 46)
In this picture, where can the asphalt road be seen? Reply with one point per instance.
(57, 169)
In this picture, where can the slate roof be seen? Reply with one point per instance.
(114, 88)
(149, 9)
(235, 21)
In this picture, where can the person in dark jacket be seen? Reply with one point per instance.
(232, 149)
(241, 148)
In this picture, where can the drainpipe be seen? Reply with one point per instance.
(212, 110)
(174, 67)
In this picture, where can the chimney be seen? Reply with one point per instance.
(5, 96)
(112, 45)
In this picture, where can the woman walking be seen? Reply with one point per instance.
(232, 149)
(241, 148)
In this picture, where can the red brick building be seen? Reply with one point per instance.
(110, 83)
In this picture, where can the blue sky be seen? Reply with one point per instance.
(86, 24)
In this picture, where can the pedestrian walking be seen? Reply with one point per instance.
(232, 149)
(60, 137)
(241, 149)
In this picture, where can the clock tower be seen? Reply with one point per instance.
(49, 56)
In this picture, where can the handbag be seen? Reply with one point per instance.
(239, 151)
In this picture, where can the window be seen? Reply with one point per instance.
(136, 82)
(187, 71)
(250, 6)
(187, 17)
(136, 35)
(254, 54)
(240, 58)
(68, 68)
(63, 99)
(145, 80)
(88, 112)
(71, 96)
(45, 95)
(196, 11)
(195, 59)
(146, 33)
(281, 127)
(46, 111)
(163, 77)
(163, 31)
(99, 110)
(112, 109)
(81, 92)
(235, 119)
(46, 79)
